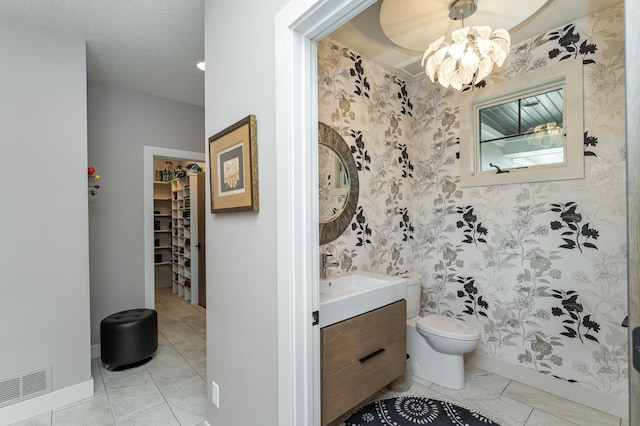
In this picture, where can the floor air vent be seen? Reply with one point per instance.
(25, 385)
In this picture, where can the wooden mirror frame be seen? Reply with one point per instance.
(333, 228)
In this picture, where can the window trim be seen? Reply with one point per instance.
(570, 75)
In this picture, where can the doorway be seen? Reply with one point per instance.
(295, 127)
(178, 219)
(152, 153)
(298, 28)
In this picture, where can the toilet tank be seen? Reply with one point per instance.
(414, 288)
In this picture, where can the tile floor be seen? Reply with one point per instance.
(513, 404)
(171, 389)
(168, 390)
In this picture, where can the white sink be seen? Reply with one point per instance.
(348, 295)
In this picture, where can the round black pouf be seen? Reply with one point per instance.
(128, 338)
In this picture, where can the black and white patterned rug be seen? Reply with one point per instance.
(415, 410)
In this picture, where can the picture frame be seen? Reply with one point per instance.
(233, 168)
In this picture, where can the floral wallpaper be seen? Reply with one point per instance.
(540, 268)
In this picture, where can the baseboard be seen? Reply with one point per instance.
(41, 404)
(571, 391)
(95, 351)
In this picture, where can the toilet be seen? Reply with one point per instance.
(436, 343)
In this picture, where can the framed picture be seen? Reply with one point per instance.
(233, 159)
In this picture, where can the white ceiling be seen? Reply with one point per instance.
(147, 45)
(153, 45)
(364, 34)
(414, 24)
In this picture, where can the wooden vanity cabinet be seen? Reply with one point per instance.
(360, 356)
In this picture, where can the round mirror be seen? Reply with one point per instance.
(338, 185)
(333, 184)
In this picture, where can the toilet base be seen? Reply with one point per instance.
(435, 367)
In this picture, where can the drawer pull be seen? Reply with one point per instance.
(371, 355)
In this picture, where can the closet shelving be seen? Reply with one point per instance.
(162, 223)
(184, 275)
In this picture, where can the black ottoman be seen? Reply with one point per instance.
(128, 338)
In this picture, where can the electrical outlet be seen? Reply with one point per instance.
(215, 394)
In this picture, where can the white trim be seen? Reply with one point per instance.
(632, 110)
(41, 404)
(568, 75)
(149, 152)
(573, 392)
(297, 27)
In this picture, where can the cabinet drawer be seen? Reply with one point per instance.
(353, 384)
(350, 340)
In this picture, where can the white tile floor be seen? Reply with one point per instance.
(514, 404)
(168, 390)
(171, 389)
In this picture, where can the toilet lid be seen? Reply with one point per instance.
(448, 327)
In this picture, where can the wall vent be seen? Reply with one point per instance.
(25, 385)
(413, 67)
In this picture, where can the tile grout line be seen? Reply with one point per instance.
(503, 395)
(106, 392)
(164, 398)
(182, 356)
(552, 414)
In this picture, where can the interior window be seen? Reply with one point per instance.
(523, 132)
(526, 129)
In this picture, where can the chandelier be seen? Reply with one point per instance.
(471, 55)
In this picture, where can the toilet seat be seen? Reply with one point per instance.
(447, 327)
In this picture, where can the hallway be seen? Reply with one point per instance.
(168, 390)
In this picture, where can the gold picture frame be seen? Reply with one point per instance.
(233, 163)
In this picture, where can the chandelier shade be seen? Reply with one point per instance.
(469, 58)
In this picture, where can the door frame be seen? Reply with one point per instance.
(149, 153)
(298, 27)
(632, 89)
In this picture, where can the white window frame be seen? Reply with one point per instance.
(569, 74)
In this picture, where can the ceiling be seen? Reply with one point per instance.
(364, 33)
(414, 24)
(147, 45)
(153, 45)
(522, 115)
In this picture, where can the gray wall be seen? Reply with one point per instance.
(44, 306)
(121, 122)
(241, 247)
